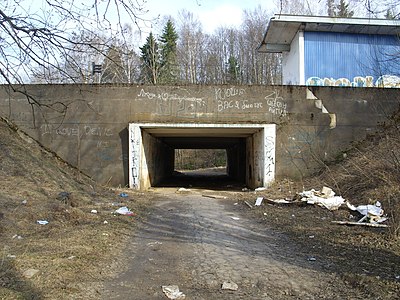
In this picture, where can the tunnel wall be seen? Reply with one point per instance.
(157, 161)
(87, 125)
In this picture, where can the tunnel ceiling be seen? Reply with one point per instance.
(201, 138)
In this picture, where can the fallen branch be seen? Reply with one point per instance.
(360, 224)
(248, 204)
(215, 196)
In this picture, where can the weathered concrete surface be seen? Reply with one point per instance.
(87, 124)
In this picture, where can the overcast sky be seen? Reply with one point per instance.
(211, 13)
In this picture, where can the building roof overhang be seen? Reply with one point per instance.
(283, 28)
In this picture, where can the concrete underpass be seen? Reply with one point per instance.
(250, 150)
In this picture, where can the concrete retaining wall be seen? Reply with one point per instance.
(87, 125)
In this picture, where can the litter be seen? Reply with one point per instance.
(42, 222)
(311, 258)
(374, 213)
(30, 273)
(183, 190)
(325, 198)
(259, 201)
(235, 218)
(93, 211)
(259, 189)
(229, 285)
(172, 292)
(24, 202)
(123, 195)
(124, 211)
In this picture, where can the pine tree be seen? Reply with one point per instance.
(331, 7)
(150, 60)
(342, 10)
(168, 54)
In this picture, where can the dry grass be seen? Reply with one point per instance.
(76, 250)
(370, 172)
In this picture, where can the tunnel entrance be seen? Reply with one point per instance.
(249, 148)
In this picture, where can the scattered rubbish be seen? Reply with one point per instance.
(24, 202)
(105, 234)
(235, 218)
(172, 292)
(124, 211)
(245, 190)
(105, 222)
(229, 285)
(42, 222)
(265, 214)
(325, 198)
(311, 258)
(281, 201)
(371, 213)
(235, 203)
(71, 257)
(311, 236)
(154, 243)
(259, 201)
(30, 273)
(16, 236)
(215, 196)
(184, 190)
(248, 204)
(11, 256)
(123, 195)
(93, 211)
(397, 277)
(259, 189)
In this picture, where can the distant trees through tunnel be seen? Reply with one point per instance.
(194, 159)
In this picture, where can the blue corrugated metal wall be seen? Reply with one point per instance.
(344, 55)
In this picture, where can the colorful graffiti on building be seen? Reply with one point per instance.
(385, 81)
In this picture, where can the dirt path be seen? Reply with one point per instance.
(198, 243)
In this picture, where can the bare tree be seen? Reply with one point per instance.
(38, 36)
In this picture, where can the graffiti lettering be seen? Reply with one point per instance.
(225, 93)
(86, 130)
(386, 81)
(238, 105)
(276, 104)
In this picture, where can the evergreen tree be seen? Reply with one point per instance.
(342, 10)
(150, 60)
(233, 70)
(331, 7)
(168, 54)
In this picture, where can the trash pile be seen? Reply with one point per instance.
(371, 214)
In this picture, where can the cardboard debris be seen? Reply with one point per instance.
(371, 213)
(259, 201)
(325, 198)
(172, 292)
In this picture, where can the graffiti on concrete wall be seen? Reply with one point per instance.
(173, 104)
(386, 81)
(80, 131)
(134, 149)
(276, 104)
(269, 160)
